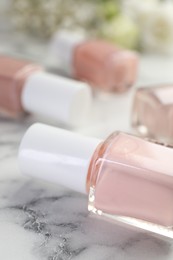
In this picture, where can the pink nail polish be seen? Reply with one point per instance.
(128, 179)
(153, 112)
(13, 74)
(101, 64)
(26, 88)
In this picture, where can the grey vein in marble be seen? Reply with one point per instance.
(61, 229)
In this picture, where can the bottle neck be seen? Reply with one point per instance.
(94, 167)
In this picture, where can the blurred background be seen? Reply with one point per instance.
(28, 26)
(148, 25)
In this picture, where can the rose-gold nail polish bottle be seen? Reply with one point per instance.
(127, 179)
(26, 88)
(153, 112)
(101, 64)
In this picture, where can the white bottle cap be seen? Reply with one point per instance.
(62, 48)
(59, 99)
(57, 155)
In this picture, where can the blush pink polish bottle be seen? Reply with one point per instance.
(101, 64)
(26, 88)
(127, 179)
(153, 112)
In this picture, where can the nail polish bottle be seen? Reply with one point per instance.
(127, 179)
(99, 63)
(153, 112)
(26, 88)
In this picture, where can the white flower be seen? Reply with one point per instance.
(138, 8)
(157, 29)
(155, 22)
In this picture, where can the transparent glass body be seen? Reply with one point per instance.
(13, 75)
(103, 65)
(153, 112)
(131, 180)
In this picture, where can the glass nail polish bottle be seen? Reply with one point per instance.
(153, 112)
(26, 88)
(100, 63)
(127, 179)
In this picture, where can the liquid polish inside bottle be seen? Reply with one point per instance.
(129, 180)
(104, 65)
(13, 74)
(153, 112)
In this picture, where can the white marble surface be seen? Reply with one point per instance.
(45, 221)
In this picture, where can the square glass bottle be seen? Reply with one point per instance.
(127, 179)
(152, 114)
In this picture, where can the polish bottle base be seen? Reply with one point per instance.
(158, 231)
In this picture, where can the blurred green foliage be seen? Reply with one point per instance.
(102, 18)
